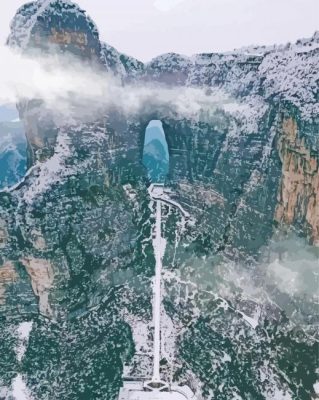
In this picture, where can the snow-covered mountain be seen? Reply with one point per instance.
(76, 239)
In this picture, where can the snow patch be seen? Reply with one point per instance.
(20, 390)
(23, 331)
(50, 172)
(253, 322)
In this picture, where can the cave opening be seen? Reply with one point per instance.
(155, 152)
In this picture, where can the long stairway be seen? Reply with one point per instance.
(155, 388)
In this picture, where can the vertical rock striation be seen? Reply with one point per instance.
(298, 199)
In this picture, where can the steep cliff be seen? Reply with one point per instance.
(298, 201)
(55, 23)
(76, 252)
(54, 27)
(262, 82)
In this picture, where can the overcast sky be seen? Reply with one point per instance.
(146, 28)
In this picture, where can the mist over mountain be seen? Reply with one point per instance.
(240, 217)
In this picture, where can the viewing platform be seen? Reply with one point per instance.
(138, 390)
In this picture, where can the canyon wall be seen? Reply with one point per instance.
(298, 198)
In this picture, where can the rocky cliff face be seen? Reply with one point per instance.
(298, 201)
(266, 82)
(52, 27)
(75, 235)
(45, 24)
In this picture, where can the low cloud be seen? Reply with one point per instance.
(73, 88)
(285, 278)
(293, 267)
